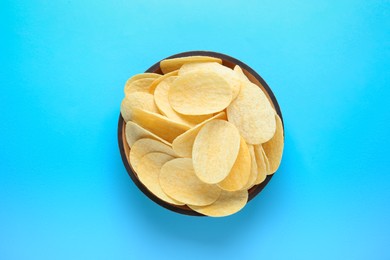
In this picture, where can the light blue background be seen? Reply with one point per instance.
(64, 192)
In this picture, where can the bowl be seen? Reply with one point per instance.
(125, 150)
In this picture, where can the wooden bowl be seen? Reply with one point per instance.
(125, 150)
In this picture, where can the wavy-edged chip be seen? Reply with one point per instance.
(215, 150)
(157, 81)
(261, 164)
(160, 125)
(146, 145)
(135, 132)
(148, 172)
(253, 175)
(137, 99)
(228, 203)
(178, 180)
(240, 172)
(252, 114)
(200, 93)
(162, 101)
(182, 145)
(169, 65)
(274, 147)
(139, 85)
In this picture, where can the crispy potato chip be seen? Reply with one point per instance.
(178, 180)
(144, 146)
(160, 79)
(261, 164)
(158, 124)
(135, 132)
(274, 147)
(240, 73)
(148, 172)
(169, 65)
(142, 76)
(215, 150)
(253, 176)
(227, 73)
(162, 101)
(137, 99)
(139, 85)
(182, 145)
(252, 114)
(267, 166)
(240, 172)
(200, 93)
(228, 203)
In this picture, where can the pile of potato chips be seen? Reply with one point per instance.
(201, 134)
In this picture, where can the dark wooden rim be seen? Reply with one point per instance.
(156, 68)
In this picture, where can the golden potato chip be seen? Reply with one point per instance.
(169, 65)
(148, 172)
(137, 99)
(160, 79)
(261, 164)
(274, 147)
(178, 180)
(240, 73)
(144, 146)
(139, 85)
(182, 145)
(135, 132)
(252, 114)
(215, 150)
(267, 166)
(158, 124)
(228, 203)
(253, 176)
(200, 93)
(162, 101)
(141, 76)
(240, 172)
(227, 73)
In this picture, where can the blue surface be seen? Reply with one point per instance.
(64, 193)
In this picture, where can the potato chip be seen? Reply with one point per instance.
(240, 172)
(162, 101)
(178, 180)
(135, 132)
(253, 175)
(261, 164)
(142, 76)
(252, 114)
(227, 73)
(137, 99)
(267, 166)
(148, 172)
(139, 85)
(215, 150)
(240, 73)
(274, 147)
(144, 146)
(228, 203)
(169, 65)
(160, 79)
(200, 93)
(158, 124)
(182, 145)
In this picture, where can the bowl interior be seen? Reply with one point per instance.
(125, 149)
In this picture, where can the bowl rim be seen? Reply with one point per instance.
(255, 190)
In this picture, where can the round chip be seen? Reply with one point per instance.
(139, 85)
(240, 172)
(137, 99)
(182, 145)
(228, 203)
(158, 124)
(274, 147)
(135, 132)
(145, 146)
(162, 101)
(148, 172)
(252, 114)
(157, 81)
(200, 93)
(141, 76)
(169, 65)
(261, 164)
(240, 73)
(215, 150)
(178, 180)
(253, 175)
